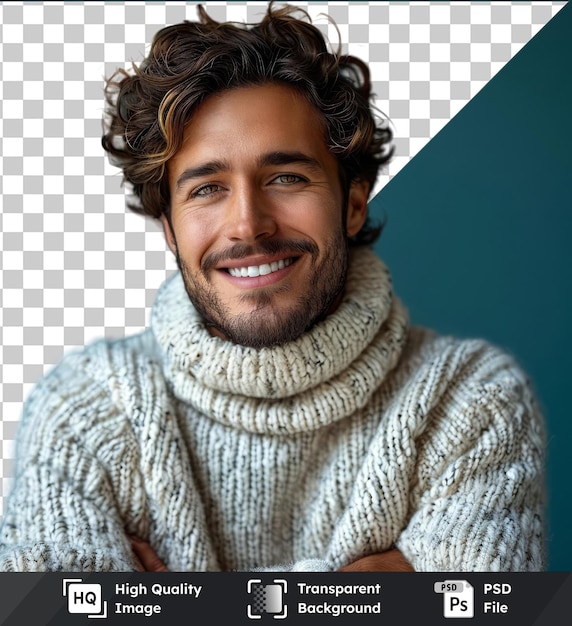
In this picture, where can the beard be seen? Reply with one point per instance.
(271, 323)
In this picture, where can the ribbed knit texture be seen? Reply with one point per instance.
(360, 435)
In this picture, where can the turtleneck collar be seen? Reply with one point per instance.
(326, 374)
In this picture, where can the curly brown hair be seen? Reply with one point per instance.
(148, 108)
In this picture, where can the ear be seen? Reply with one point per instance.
(357, 206)
(168, 232)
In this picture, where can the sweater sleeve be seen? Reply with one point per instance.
(62, 513)
(477, 499)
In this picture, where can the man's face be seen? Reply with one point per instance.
(257, 221)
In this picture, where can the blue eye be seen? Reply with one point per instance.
(288, 179)
(205, 190)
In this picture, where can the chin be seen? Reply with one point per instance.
(263, 328)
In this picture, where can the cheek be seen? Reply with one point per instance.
(193, 238)
(319, 220)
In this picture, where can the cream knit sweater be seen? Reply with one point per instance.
(360, 435)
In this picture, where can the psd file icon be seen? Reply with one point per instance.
(267, 599)
(458, 598)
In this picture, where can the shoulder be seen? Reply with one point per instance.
(474, 396)
(85, 396)
(97, 366)
(448, 362)
(456, 389)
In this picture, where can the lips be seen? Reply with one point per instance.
(252, 271)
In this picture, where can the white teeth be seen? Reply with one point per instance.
(259, 270)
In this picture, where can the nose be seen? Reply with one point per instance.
(249, 216)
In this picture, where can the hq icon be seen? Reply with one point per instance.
(84, 598)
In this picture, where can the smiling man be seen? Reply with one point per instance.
(279, 413)
(258, 219)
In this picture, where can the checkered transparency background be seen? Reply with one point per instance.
(74, 264)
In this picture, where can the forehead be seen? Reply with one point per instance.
(244, 122)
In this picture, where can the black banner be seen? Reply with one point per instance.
(540, 599)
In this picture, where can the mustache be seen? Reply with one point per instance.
(291, 247)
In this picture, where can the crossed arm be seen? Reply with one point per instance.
(389, 561)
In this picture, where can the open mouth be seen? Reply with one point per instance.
(251, 271)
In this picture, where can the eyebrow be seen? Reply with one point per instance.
(205, 169)
(271, 158)
(288, 158)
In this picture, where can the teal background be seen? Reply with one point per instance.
(478, 236)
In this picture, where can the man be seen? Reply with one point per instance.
(279, 413)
